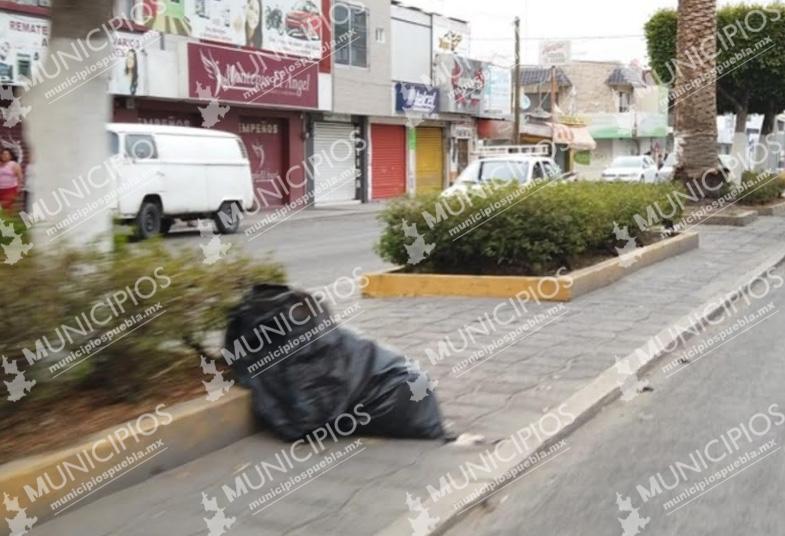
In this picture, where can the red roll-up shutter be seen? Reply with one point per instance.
(389, 161)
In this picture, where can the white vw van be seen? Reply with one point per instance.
(166, 173)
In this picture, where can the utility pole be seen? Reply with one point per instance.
(516, 105)
(554, 97)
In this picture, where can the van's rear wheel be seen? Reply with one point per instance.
(148, 221)
(227, 219)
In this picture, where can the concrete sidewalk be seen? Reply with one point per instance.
(528, 375)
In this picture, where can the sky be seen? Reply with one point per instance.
(599, 30)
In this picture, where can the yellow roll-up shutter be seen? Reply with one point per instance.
(430, 160)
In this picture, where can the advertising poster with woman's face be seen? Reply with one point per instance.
(130, 62)
(253, 23)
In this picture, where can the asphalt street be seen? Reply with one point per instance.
(699, 455)
(317, 246)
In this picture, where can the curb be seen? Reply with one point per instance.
(742, 219)
(559, 289)
(194, 428)
(328, 211)
(583, 405)
(771, 210)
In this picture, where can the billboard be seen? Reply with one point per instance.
(245, 76)
(23, 43)
(461, 82)
(128, 75)
(220, 20)
(291, 27)
(497, 98)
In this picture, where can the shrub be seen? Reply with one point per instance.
(151, 307)
(533, 231)
(760, 188)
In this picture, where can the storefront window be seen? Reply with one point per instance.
(351, 35)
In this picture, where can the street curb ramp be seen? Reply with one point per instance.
(583, 405)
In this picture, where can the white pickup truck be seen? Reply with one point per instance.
(523, 167)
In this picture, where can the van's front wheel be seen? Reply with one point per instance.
(227, 220)
(148, 221)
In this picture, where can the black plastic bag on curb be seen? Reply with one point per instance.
(306, 372)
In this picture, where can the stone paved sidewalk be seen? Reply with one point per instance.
(366, 491)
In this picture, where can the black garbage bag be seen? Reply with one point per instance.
(305, 372)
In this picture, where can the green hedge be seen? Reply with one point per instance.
(47, 291)
(537, 231)
(760, 188)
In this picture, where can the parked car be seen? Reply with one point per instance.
(631, 169)
(520, 168)
(665, 173)
(165, 173)
(304, 21)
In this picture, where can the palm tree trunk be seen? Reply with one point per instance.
(696, 112)
(70, 105)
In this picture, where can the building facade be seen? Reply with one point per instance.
(625, 112)
(336, 101)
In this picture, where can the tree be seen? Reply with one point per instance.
(66, 127)
(750, 74)
(696, 108)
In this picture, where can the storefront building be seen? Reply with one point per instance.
(26, 34)
(185, 67)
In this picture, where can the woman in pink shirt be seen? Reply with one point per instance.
(10, 177)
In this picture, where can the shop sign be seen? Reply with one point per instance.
(417, 98)
(23, 42)
(465, 132)
(450, 36)
(248, 77)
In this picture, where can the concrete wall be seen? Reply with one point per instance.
(411, 46)
(591, 94)
(367, 90)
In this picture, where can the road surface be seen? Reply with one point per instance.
(700, 454)
(317, 246)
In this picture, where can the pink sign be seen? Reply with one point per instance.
(245, 76)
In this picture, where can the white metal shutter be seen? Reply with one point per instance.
(335, 157)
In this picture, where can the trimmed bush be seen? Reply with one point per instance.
(150, 306)
(760, 188)
(508, 230)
